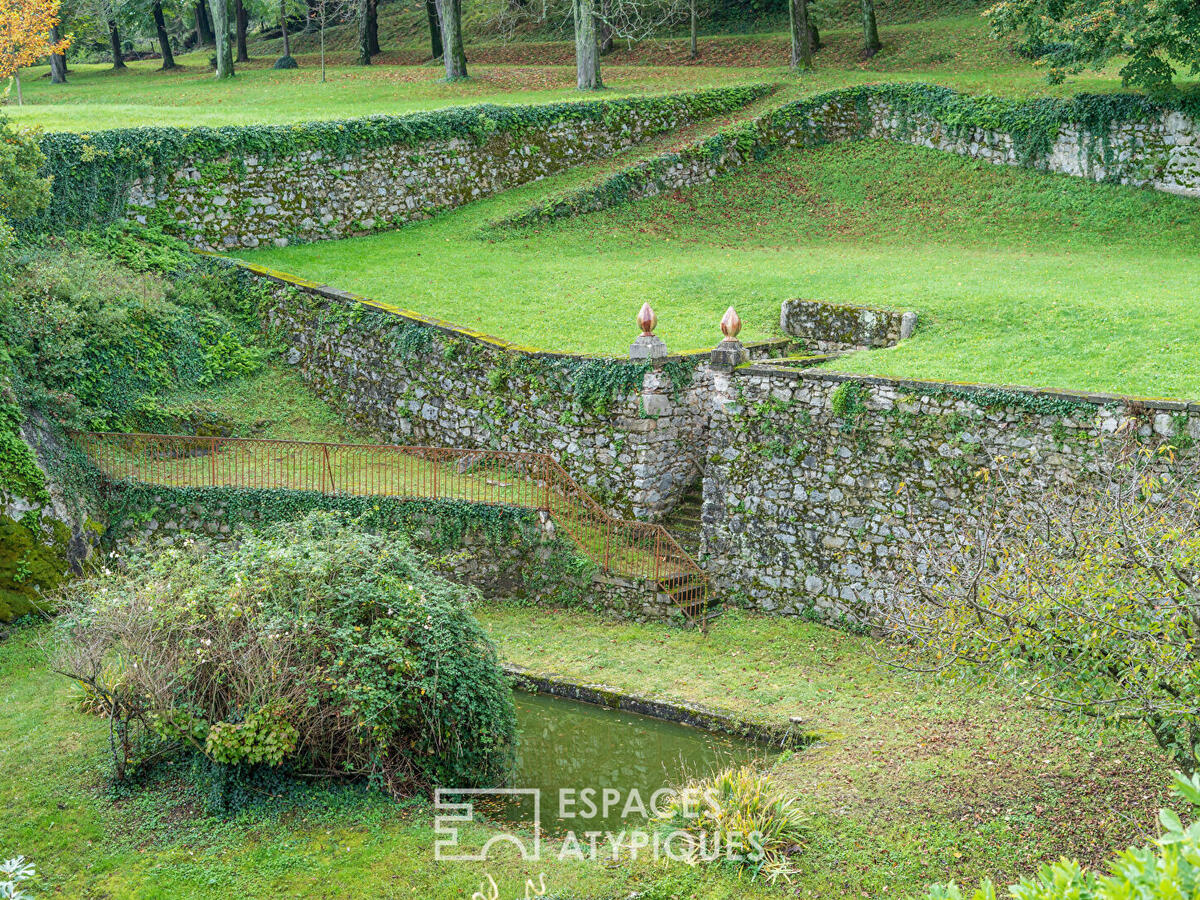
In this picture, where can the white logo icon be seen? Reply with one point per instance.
(453, 811)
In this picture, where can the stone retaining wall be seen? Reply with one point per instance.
(417, 381)
(1161, 150)
(815, 480)
(832, 328)
(330, 192)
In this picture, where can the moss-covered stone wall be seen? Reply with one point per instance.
(815, 482)
(632, 433)
(278, 193)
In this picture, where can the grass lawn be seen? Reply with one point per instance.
(96, 97)
(1020, 278)
(957, 51)
(912, 783)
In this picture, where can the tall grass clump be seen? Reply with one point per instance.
(737, 817)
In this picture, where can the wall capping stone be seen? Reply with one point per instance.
(768, 733)
(966, 388)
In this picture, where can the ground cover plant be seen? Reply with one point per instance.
(910, 779)
(1020, 278)
(95, 329)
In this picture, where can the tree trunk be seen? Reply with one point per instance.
(58, 62)
(283, 27)
(802, 51)
(17, 78)
(587, 50)
(604, 29)
(694, 50)
(435, 28)
(871, 43)
(452, 42)
(204, 31)
(114, 38)
(164, 42)
(224, 40)
(363, 14)
(373, 25)
(242, 18)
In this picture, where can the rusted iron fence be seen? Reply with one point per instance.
(529, 480)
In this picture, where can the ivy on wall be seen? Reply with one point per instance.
(553, 572)
(92, 171)
(1033, 125)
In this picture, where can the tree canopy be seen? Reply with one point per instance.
(1158, 39)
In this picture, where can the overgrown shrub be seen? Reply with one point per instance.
(737, 807)
(1167, 869)
(23, 192)
(311, 647)
(94, 340)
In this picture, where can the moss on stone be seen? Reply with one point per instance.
(33, 563)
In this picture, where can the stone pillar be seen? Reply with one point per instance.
(730, 353)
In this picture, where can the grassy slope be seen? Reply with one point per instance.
(1020, 278)
(275, 403)
(913, 782)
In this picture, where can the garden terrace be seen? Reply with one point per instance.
(1018, 277)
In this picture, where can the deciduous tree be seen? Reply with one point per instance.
(802, 44)
(871, 42)
(224, 40)
(435, 28)
(25, 36)
(1067, 35)
(1086, 597)
(453, 54)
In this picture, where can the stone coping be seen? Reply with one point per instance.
(332, 293)
(793, 371)
(783, 736)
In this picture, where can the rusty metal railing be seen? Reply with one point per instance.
(622, 547)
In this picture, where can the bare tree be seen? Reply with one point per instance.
(596, 23)
(1085, 597)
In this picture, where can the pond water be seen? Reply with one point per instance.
(567, 747)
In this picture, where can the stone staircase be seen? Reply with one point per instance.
(684, 521)
(687, 591)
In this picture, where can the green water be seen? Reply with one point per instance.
(568, 746)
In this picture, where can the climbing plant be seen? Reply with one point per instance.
(92, 171)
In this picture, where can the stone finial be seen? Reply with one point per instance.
(731, 324)
(646, 320)
(729, 354)
(647, 346)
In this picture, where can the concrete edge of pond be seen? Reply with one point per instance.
(782, 735)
